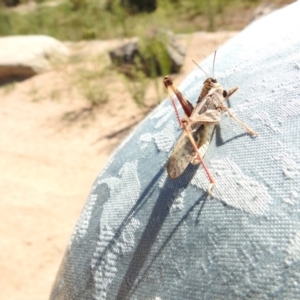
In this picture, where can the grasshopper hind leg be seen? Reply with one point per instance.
(199, 157)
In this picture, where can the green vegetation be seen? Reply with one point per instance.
(137, 87)
(89, 83)
(91, 79)
(8, 88)
(104, 19)
(154, 51)
(150, 20)
(35, 94)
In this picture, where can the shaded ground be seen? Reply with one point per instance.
(49, 163)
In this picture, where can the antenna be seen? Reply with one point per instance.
(214, 64)
(200, 68)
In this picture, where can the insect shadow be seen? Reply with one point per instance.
(137, 270)
(219, 141)
(142, 200)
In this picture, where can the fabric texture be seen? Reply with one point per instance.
(142, 235)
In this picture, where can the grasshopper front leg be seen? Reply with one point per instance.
(248, 129)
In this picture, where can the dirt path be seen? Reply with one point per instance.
(48, 166)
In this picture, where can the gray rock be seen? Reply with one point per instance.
(24, 56)
(131, 54)
(125, 53)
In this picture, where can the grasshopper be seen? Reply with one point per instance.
(198, 124)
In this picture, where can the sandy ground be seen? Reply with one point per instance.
(48, 165)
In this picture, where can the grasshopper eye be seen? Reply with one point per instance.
(214, 80)
(225, 94)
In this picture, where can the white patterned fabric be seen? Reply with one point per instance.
(142, 235)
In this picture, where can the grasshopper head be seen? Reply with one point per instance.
(209, 84)
(210, 81)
